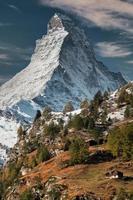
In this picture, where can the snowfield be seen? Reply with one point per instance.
(117, 115)
(8, 137)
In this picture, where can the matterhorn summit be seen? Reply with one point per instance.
(63, 68)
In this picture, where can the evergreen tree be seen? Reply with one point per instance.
(110, 121)
(96, 135)
(20, 132)
(91, 124)
(105, 95)
(86, 121)
(68, 107)
(131, 100)
(127, 112)
(94, 110)
(124, 97)
(47, 113)
(76, 122)
(84, 104)
(98, 98)
(78, 151)
(52, 130)
(104, 116)
(42, 154)
(38, 115)
(120, 141)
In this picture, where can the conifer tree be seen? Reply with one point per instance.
(127, 112)
(68, 107)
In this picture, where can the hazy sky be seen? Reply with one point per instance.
(109, 26)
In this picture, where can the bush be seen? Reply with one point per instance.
(123, 195)
(78, 151)
(33, 163)
(55, 194)
(27, 195)
(67, 145)
(1, 189)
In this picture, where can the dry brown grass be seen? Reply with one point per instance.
(82, 178)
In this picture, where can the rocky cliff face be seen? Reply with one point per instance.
(63, 68)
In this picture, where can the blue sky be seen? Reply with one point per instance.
(109, 25)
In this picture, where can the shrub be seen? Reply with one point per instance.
(27, 195)
(67, 145)
(1, 189)
(55, 194)
(122, 195)
(33, 162)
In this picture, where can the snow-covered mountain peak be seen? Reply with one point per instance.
(31, 81)
(63, 68)
(55, 24)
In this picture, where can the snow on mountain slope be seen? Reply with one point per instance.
(24, 111)
(31, 82)
(63, 68)
(8, 137)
